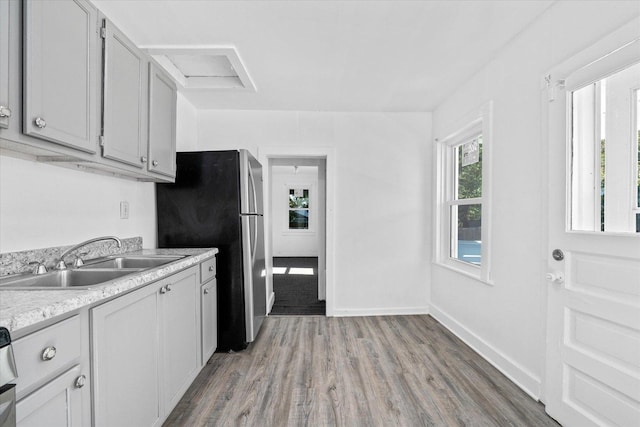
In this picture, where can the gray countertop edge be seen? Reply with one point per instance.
(25, 308)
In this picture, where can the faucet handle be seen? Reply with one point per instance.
(39, 267)
(79, 262)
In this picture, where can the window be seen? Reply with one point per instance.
(298, 209)
(465, 201)
(605, 153)
(462, 219)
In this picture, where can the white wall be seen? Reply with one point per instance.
(43, 205)
(506, 321)
(381, 195)
(186, 124)
(285, 242)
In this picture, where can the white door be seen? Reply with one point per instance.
(593, 319)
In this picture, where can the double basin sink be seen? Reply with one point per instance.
(93, 273)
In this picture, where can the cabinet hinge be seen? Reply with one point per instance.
(103, 32)
(101, 140)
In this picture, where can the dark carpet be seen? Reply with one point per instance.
(296, 294)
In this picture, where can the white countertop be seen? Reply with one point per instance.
(22, 308)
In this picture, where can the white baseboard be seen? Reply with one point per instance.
(397, 311)
(524, 379)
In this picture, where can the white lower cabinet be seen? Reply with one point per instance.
(59, 403)
(145, 351)
(53, 384)
(179, 338)
(209, 304)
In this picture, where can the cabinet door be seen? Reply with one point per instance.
(125, 360)
(125, 99)
(179, 334)
(208, 301)
(58, 403)
(60, 76)
(162, 122)
(5, 105)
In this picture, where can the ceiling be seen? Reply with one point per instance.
(365, 56)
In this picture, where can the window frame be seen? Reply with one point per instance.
(308, 209)
(313, 200)
(474, 124)
(577, 74)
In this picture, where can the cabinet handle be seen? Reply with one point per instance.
(163, 290)
(154, 163)
(143, 159)
(5, 111)
(206, 291)
(40, 122)
(168, 287)
(80, 381)
(48, 353)
(211, 268)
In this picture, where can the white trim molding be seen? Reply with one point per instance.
(523, 378)
(477, 121)
(387, 311)
(329, 155)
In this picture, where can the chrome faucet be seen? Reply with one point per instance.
(61, 265)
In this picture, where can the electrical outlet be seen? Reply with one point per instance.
(124, 210)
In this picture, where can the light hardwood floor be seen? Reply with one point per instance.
(355, 371)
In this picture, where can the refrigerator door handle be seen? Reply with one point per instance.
(254, 244)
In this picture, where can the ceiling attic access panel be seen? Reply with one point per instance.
(203, 67)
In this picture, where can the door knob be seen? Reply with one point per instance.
(555, 278)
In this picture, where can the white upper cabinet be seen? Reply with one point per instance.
(5, 105)
(162, 122)
(76, 92)
(60, 76)
(124, 99)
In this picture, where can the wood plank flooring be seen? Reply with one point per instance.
(355, 371)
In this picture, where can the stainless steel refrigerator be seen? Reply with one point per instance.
(216, 201)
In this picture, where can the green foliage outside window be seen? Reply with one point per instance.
(469, 186)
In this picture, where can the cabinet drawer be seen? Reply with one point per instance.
(207, 270)
(30, 351)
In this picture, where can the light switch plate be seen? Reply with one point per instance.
(124, 210)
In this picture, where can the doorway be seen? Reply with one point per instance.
(297, 235)
(304, 213)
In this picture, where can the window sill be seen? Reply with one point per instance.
(294, 232)
(455, 269)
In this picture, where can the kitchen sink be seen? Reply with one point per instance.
(65, 279)
(131, 261)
